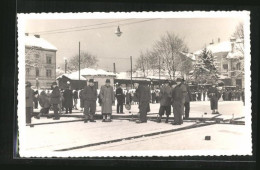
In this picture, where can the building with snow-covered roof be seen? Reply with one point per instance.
(230, 60)
(40, 60)
(77, 82)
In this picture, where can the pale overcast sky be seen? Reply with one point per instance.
(136, 37)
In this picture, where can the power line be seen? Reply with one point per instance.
(79, 27)
(99, 27)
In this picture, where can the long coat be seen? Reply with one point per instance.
(68, 98)
(120, 95)
(55, 96)
(165, 96)
(143, 95)
(178, 100)
(107, 98)
(29, 97)
(44, 100)
(186, 92)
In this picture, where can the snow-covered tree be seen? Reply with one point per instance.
(205, 69)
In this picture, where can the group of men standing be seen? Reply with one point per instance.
(177, 96)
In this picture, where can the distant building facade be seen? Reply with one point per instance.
(40, 60)
(229, 59)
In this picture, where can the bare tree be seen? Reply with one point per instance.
(170, 48)
(239, 35)
(86, 60)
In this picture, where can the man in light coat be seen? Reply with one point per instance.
(107, 98)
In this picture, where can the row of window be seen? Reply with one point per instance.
(238, 66)
(48, 58)
(37, 72)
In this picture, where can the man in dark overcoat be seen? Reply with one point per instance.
(29, 102)
(55, 100)
(178, 103)
(68, 99)
(143, 95)
(187, 98)
(120, 99)
(165, 101)
(214, 96)
(89, 96)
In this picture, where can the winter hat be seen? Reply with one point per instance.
(178, 80)
(28, 84)
(107, 80)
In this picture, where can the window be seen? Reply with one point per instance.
(36, 55)
(48, 73)
(238, 66)
(37, 71)
(48, 59)
(225, 66)
(27, 71)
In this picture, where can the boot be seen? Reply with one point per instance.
(167, 119)
(159, 119)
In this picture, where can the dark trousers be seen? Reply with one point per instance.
(44, 110)
(119, 107)
(29, 111)
(178, 112)
(213, 103)
(143, 109)
(68, 109)
(164, 109)
(55, 110)
(36, 104)
(187, 109)
(89, 109)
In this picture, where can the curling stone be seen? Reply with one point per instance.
(207, 137)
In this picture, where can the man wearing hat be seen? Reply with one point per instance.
(187, 98)
(107, 97)
(29, 102)
(214, 96)
(165, 101)
(143, 95)
(120, 99)
(55, 100)
(89, 97)
(178, 103)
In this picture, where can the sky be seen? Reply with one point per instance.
(136, 37)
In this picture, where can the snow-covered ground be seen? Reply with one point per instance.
(53, 137)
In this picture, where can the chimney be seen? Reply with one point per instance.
(212, 42)
(37, 36)
(218, 40)
(26, 34)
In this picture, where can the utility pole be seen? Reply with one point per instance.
(114, 66)
(131, 72)
(159, 70)
(79, 60)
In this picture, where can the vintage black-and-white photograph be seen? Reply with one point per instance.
(134, 84)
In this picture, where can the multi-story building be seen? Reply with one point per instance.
(229, 60)
(40, 60)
